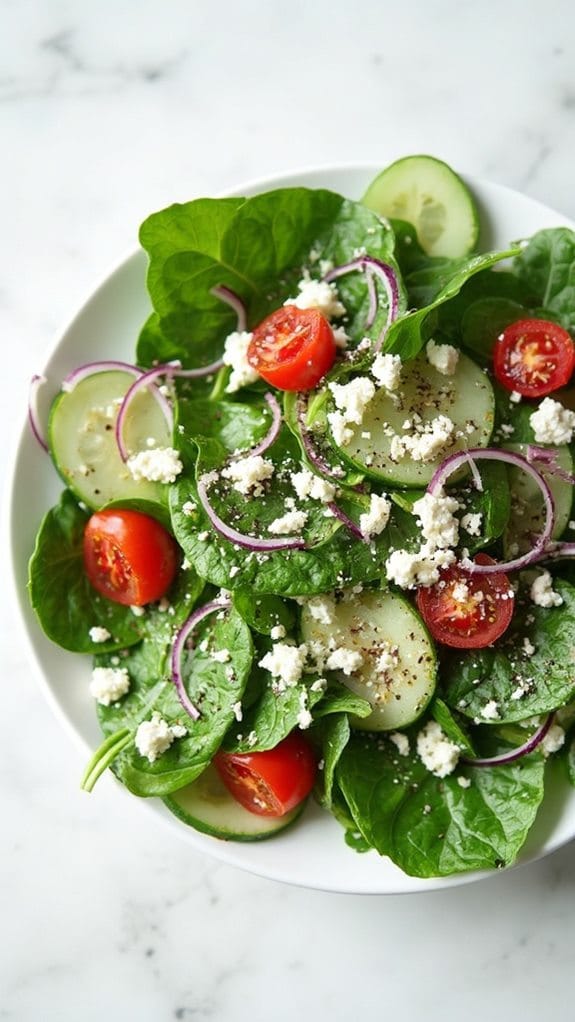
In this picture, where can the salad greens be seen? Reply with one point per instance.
(410, 791)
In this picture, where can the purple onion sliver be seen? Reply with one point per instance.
(261, 545)
(513, 754)
(548, 461)
(387, 276)
(338, 513)
(559, 550)
(372, 292)
(90, 368)
(234, 301)
(178, 647)
(272, 434)
(146, 379)
(311, 451)
(33, 413)
(455, 461)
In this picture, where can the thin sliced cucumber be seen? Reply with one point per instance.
(432, 197)
(466, 398)
(207, 806)
(381, 624)
(82, 440)
(527, 516)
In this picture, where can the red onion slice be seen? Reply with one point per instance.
(559, 550)
(340, 514)
(178, 649)
(225, 294)
(455, 461)
(248, 542)
(370, 265)
(547, 461)
(372, 293)
(311, 451)
(33, 411)
(513, 754)
(272, 434)
(143, 381)
(90, 368)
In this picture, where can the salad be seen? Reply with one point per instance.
(318, 536)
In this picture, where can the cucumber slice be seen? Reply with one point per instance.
(373, 624)
(207, 805)
(432, 197)
(527, 508)
(466, 398)
(82, 440)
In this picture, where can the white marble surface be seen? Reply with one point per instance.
(108, 111)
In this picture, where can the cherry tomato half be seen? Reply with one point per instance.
(128, 556)
(534, 357)
(293, 348)
(467, 611)
(269, 783)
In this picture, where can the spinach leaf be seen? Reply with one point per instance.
(546, 269)
(409, 333)
(435, 827)
(258, 247)
(333, 734)
(213, 687)
(493, 503)
(484, 320)
(521, 685)
(265, 612)
(237, 427)
(65, 602)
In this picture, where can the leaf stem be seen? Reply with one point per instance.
(104, 756)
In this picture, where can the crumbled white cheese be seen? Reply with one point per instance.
(463, 782)
(221, 656)
(322, 609)
(387, 370)
(472, 523)
(285, 662)
(99, 634)
(553, 740)
(490, 711)
(400, 741)
(154, 736)
(138, 611)
(421, 568)
(437, 753)
(160, 465)
(304, 717)
(236, 355)
(237, 711)
(374, 521)
(340, 337)
(528, 647)
(460, 592)
(515, 397)
(249, 473)
(352, 398)
(443, 357)
(340, 431)
(436, 519)
(388, 658)
(188, 508)
(277, 632)
(343, 659)
(291, 522)
(542, 592)
(307, 484)
(552, 423)
(318, 294)
(425, 441)
(109, 684)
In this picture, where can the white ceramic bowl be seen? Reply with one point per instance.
(313, 854)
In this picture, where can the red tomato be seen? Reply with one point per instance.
(534, 357)
(293, 348)
(269, 783)
(467, 611)
(128, 556)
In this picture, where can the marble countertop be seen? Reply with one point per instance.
(111, 110)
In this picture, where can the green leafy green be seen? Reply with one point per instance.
(65, 602)
(431, 826)
(545, 268)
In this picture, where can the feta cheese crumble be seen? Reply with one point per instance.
(472, 523)
(157, 465)
(285, 662)
(542, 592)
(425, 441)
(436, 519)
(443, 357)
(236, 355)
(98, 634)
(343, 659)
(400, 741)
(553, 740)
(387, 370)
(352, 398)
(322, 609)
(491, 710)
(552, 423)
(109, 684)
(374, 521)
(291, 522)
(307, 484)
(249, 473)
(437, 753)
(318, 294)
(154, 736)
(421, 568)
